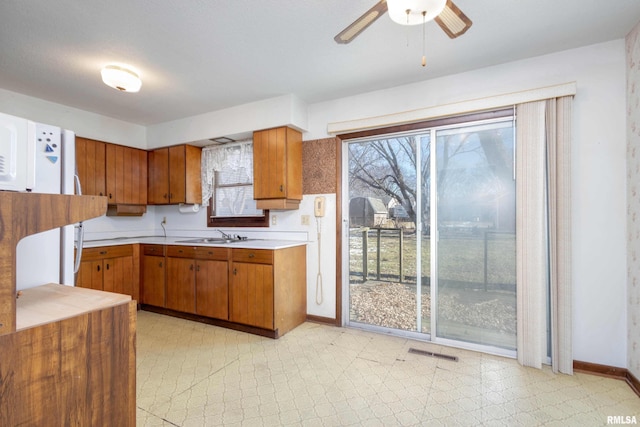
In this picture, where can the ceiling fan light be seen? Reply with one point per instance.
(121, 78)
(398, 10)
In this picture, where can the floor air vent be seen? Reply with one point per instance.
(432, 354)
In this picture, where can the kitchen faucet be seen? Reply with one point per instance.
(225, 235)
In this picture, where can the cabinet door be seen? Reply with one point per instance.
(153, 270)
(118, 275)
(126, 175)
(212, 289)
(90, 161)
(180, 286)
(252, 294)
(158, 184)
(90, 275)
(269, 164)
(177, 174)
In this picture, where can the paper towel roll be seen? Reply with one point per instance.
(188, 208)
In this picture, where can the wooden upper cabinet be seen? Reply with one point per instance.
(111, 170)
(158, 185)
(91, 163)
(174, 175)
(126, 175)
(277, 168)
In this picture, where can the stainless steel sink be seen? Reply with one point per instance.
(214, 240)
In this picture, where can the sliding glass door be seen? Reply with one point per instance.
(475, 220)
(431, 234)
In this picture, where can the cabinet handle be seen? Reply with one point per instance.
(235, 271)
(191, 267)
(197, 268)
(164, 196)
(281, 188)
(107, 266)
(103, 252)
(98, 268)
(251, 255)
(160, 264)
(101, 194)
(110, 196)
(180, 250)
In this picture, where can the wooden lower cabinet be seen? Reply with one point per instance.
(181, 284)
(268, 288)
(253, 288)
(111, 269)
(212, 289)
(152, 283)
(252, 294)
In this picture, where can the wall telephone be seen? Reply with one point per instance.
(318, 210)
(319, 206)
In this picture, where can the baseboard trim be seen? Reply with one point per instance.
(320, 319)
(609, 372)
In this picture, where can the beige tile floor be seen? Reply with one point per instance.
(192, 374)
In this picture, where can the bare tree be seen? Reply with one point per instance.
(386, 168)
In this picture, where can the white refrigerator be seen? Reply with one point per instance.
(48, 257)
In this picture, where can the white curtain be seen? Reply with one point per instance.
(543, 232)
(236, 157)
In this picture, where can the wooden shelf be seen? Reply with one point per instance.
(23, 214)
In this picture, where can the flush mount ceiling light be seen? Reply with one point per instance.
(414, 12)
(121, 77)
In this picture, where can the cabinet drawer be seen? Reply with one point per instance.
(153, 250)
(221, 254)
(257, 256)
(106, 252)
(181, 251)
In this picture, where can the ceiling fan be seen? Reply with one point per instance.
(411, 12)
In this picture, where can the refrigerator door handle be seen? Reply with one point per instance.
(80, 244)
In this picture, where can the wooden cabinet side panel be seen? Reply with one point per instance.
(78, 371)
(290, 288)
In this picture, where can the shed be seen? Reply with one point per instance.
(367, 212)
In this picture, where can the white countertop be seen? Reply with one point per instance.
(249, 244)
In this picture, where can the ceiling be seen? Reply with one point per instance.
(197, 56)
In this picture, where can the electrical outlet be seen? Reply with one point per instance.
(305, 219)
(274, 220)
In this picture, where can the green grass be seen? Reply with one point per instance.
(461, 258)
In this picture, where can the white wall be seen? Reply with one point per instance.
(83, 123)
(599, 257)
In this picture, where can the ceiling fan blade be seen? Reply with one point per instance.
(453, 21)
(360, 24)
